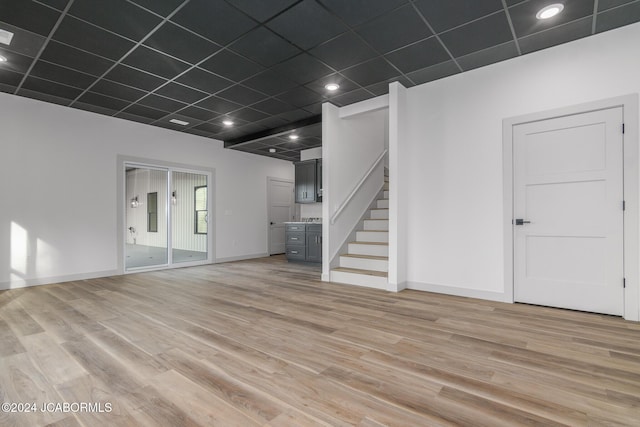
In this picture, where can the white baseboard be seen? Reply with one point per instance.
(399, 287)
(460, 292)
(25, 283)
(241, 257)
(325, 277)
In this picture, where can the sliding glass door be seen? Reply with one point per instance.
(146, 217)
(190, 217)
(166, 217)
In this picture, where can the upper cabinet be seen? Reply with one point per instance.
(309, 181)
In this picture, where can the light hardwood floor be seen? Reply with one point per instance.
(264, 343)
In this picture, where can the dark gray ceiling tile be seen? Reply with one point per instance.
(10, 78)
(181, 93)
(394, 30)
(154, 62)
(434, 72)
(346, 85)
(241, 95)
(446, 14)
(141, 110)
(269, 123)
(303, 69)
(488, 56)
(33, 94)
(230, 65)
(15, 62)
(262, 10)
(180, 43)
(306, 24)
(419, 55)
(135, 78)
(523, 15)
(198, 113)
(63, 75)
(92, 39)
(56, 4)
(134, 118)
(203, 80)
(295, 115)
(618, 17)
(300, 96)
(68, 56)
(161, 103)
(556, 35)
(29, 15)
(608, 4)
(265, 47)
(371, 72)
(273, 106)
(23, 42)
(214, 19)
(480, 34)
(344, 51)
(356, 12)
(118, 16)
(91, 98)
(117, 90)
(218, 105)
(51, 88)
(162, 7)
(269, 82)
(351, 97)
(94, 108)
(249, 114)
(208, 127)
(378, 89)
(194, 131)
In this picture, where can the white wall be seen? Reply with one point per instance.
(350, 147)
(454, 145)
(58, 166)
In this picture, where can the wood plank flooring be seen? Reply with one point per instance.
(265, 343)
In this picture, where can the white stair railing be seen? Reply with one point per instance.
(344, 204)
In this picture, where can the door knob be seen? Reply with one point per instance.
(272, 223)
(520, 221)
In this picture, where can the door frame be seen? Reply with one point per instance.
(121, 163)
(271, 179)
(631, 191)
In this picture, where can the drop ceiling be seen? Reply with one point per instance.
(264, 64)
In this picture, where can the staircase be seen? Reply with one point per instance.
(367, 261)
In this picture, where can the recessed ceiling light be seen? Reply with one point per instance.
(550, 11)
(272, 150)
(3, 59)
(179, 122)
(5, 37)
(332, 87)
(293, 136)
(227, 122)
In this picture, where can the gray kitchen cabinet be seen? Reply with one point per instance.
(314, 242)
(303, 242)
(306, 181)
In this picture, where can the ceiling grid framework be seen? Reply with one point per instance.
(264, 64)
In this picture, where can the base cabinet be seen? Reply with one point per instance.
(304, 242)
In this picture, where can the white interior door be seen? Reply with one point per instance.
(568, 252)
(281, 205)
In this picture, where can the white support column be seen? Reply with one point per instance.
(397, 197)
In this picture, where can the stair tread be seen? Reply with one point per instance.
(372, 231)
(379, 209)
(381, 258)
(377, 219)
(371, 243)
(358, 271)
